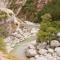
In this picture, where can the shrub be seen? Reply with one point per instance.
(47, 30)
(3, 31)
(2, 45)
(3, 15)
(29, 10)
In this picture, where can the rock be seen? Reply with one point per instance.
(57, 50)
(50, 50)
(50, 57)
(32, 58)
(58, 34)
(55, 55)
(29, 23)
(41, 58)
(48, 46)
(42, 51)
(34, 43)
(30, 52)
(54, 43)
(34, 30)
(31, 46)
(37, 56)
(41, 45)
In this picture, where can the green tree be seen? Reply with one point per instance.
(47, 31)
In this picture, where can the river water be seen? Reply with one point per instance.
(20, 48)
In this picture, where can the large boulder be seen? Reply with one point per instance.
(32, 58)
(42, 51)
(30, 52)
(41, 58)
(57, 50)
(58, 35)
(50, 50)
(41, 45)
(54, 43)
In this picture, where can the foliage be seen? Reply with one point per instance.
(53, 8)
(47, 30)
(29, 10)
(3, 31)
(2, 45)
(3, 15)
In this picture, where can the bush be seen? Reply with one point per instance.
(29, 10)
(47, 30)
(3, 15)
(2, 45)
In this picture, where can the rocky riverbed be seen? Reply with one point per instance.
(43, 51)
(29, 29)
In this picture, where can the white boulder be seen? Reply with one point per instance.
(30, 52)
(32, 58)
(42, 45)
(54, 43)
(58, 34)
(50, 50)
(41, 58)
(57, 50)
(42, 51)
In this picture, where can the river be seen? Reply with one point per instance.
(20, 48)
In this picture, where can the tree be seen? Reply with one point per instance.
(47, 31)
